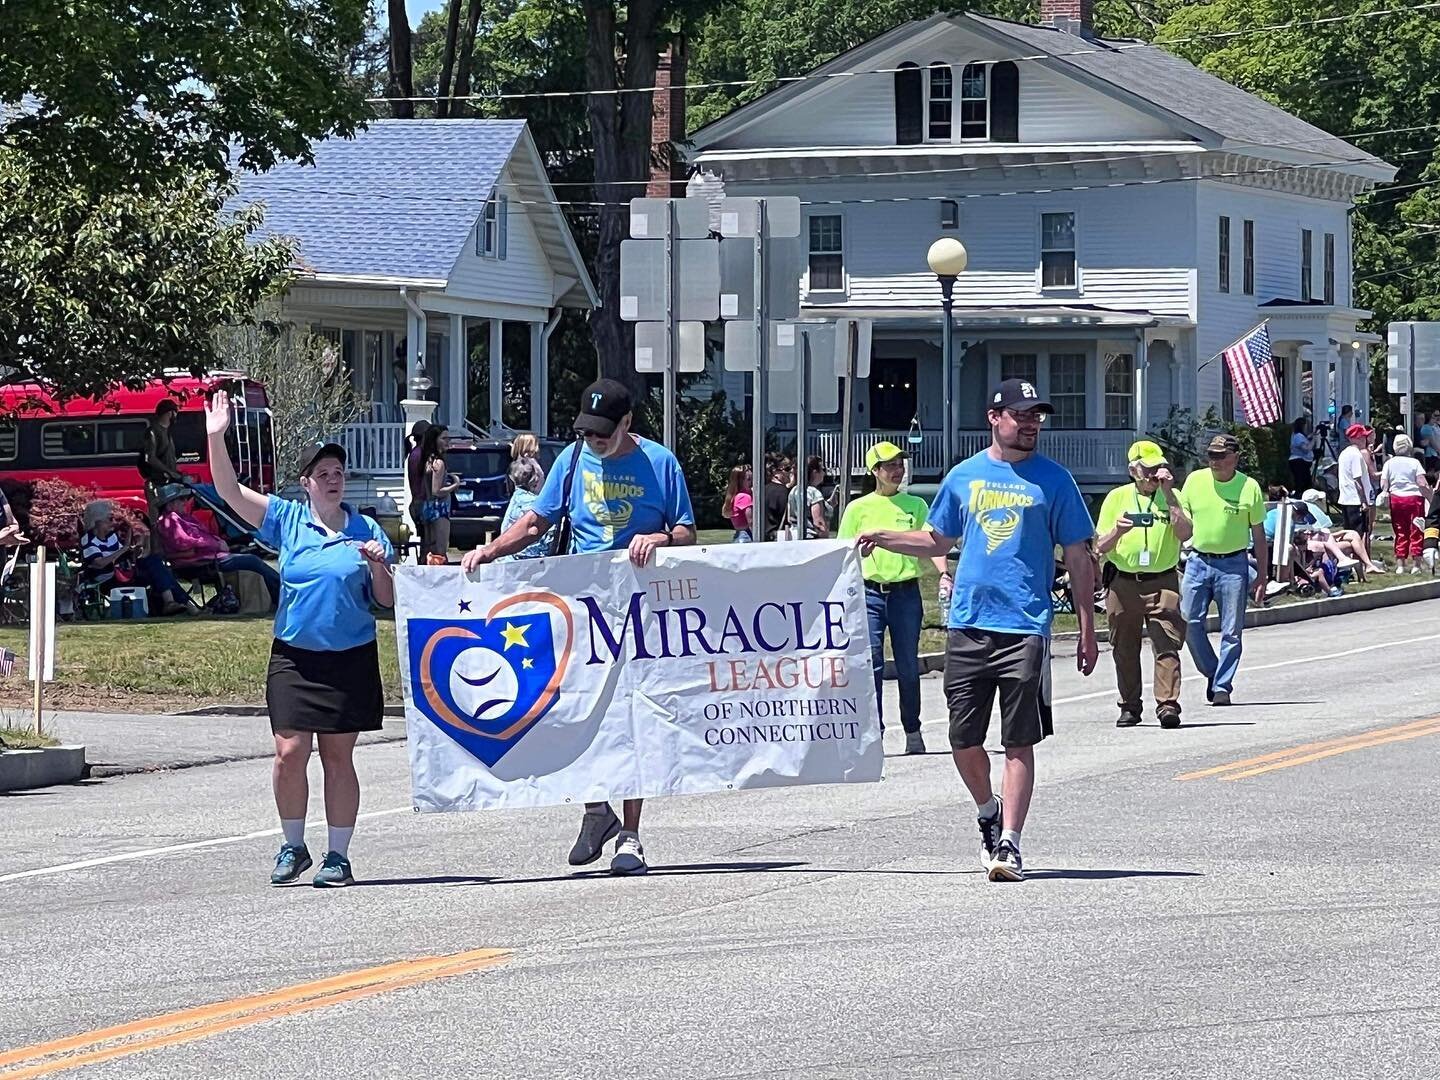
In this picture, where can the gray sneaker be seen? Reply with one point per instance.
(914, 742)
(629, 855)
(597, 828)
(290, 864)
(990, 834)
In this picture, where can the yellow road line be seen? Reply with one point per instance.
(1317, 756)
(189, 1025)
(1362, 737)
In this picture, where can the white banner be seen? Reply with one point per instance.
(581, 679)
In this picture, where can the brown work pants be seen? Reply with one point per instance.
(1135, 606)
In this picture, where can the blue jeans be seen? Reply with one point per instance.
(902, 611)
(255, 565)
(1225, 581)
(154, 572)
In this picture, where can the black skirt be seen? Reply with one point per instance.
(329, 692)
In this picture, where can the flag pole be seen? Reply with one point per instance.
(1222, 352)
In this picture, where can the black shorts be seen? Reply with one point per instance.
(1355, 517)
(980, 662)
(329, 692)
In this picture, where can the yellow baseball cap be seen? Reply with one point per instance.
(882, 451)
(1146, 453)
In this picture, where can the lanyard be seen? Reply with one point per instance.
(1145, 529)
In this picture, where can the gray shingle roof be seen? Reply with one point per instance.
(1179, 87)
(397, 200)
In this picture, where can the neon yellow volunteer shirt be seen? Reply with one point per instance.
(1223, 513)
(875, 511)
(1159, 539)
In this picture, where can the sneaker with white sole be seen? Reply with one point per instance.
(1414, 569)
(1006, 866)
(990, 834)
(914, 742)
(597, 828)
(629, 855)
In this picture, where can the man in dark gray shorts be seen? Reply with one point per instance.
(1011, 508)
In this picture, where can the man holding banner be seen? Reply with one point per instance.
(617, 492)
(1011, 508)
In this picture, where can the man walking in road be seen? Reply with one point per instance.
(1227, 513)
(1011, 507)
(892, 583)
(620, 493)
(1141, 528)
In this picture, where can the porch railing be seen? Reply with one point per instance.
(1089, 454)
(373, 448)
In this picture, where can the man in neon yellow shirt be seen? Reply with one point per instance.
(1227, 510)
(892, 582)
(1141, 528)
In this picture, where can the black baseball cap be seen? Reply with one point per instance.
(603, 405)
(311, 455)
(1019, 394)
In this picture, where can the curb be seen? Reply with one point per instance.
(102, 771)
(1283, 614)
(21, 770)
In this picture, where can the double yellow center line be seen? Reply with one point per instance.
(1317, 751)
(189, 1025)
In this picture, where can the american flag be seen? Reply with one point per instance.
(7, 662)
(1253, 376)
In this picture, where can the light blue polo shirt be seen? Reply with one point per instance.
(616, 499)
(325, 597)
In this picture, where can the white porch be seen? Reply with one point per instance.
(1321, 358)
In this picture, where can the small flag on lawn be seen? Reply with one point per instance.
(7, 662)
(1253, 376)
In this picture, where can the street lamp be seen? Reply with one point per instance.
(947, 258)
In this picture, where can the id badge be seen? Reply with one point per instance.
(1145, 558)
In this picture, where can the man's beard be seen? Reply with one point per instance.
(1023, 440)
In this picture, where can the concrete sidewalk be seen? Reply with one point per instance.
(120, 743)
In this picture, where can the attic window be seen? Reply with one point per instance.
(909, 106)
(940, 103)
(975, 102)
(491, 229)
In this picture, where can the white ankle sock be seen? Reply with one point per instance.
(294, 829)
(1012, 836)
(340, 840)
(989, 809)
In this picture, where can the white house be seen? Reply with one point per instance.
(411, 238)
(1127, 217)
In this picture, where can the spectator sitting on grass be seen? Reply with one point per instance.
(187, 542)
(1309, 527)
(107, 558)
(1347, 541)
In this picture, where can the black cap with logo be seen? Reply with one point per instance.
(1021, 395)
(311, 455)
(603, 405)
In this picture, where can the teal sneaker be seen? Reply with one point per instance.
(334, 872)
(290, 864)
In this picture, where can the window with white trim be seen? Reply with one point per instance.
(1307, 264)
(975, 103)
(1057, 251)
(1067, 389)
(1224, 267)
(1329, 268)
(940, 103)
(1024, 366)
(1119, 391)
(827, 257)
(1248, 254)
(491, 228)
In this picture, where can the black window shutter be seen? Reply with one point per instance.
(909, 106)
(1004, 103)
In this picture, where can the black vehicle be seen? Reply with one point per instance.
(483, 466)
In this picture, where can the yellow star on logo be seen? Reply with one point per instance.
(527, 663)
(514, 635)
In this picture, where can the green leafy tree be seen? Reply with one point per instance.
(121, 288)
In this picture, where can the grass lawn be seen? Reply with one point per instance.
(178, 663)
(18, 738)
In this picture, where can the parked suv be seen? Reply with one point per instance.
(483, 466)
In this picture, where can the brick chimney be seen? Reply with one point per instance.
(1072, 16)
(667, 171)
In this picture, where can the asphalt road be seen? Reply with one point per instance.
(1279, 924)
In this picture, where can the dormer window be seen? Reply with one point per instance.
(940, 103)
(975, 103)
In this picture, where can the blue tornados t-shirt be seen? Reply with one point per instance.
(613, 500)
(324, 580)
(1009, 517)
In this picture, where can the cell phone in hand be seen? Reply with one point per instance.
(1141, 519)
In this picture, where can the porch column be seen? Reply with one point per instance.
(1294, 373)
(497, 376)
(415, 331)
(1095, 389)
(455, 396)
(539, 380)
(1142, 382)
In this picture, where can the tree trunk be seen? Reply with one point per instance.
(444, 106)
(620, 129)
(402, 83)
(461, 107)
